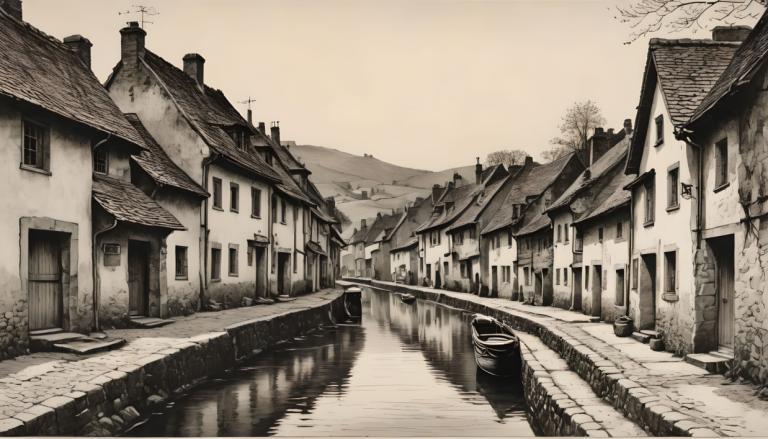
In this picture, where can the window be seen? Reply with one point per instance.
(620, 287)
(578, 243)
(216, 193)
(101, 161)
(557, 276)
(255, 202)
(215, 264)
(35, 147)
(634, 273)
(721, 163)
(234, 197)
(459, 237)
(472, 233)
(670, 271)
(565, 231)
(659, 129)
(497, 239)
(673, 182)
(619, 230)
(600, 234)
(650, 202)
(509, 238)
(232, 261)
(282, 211)
(559, 232)
(565, 277)
(181, 262)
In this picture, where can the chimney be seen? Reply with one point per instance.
(599, 143)
(263, 128)
(12, 8)
(132, 45)
(731, 33)
(194, 66)
(457, 179)
(81, 46)
(275, 130)
(627, 126)
(436, 190)
(250, 116)
(331, 203)
(528, 160)
(478, 172)
(363, 225)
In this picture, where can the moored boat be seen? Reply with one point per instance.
(497, 348)
(407, 298)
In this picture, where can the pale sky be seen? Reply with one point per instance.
(427, 84)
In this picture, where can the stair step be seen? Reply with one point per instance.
(642, 338)
(88, 346)
(45, 331)
(149, 322)
(594, 319)
(713, 362)
(651, 333)
(46, 342)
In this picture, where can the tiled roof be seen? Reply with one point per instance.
(609, 198)
(129, 204)
(408, 244)
(745, 61)
(531, 182)
(209, 111)
(42, 71)
(533, 222)
(380, 225)
(686, 70)
(287, 185)
(156, 163)
(614, 156)
(478, 204)
(358, 236)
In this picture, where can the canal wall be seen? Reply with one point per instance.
(110, 403)
(608, 383)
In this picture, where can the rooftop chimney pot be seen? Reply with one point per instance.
(132, 45)
(81, 46)
(275, 131)
(478, 172)
(627, 126)
(194, 66)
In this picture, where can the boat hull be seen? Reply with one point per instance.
(496, 347)
(501, 367)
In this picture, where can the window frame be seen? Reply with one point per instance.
(234, 197)
(659, 124)
(600, 234)
(42, 152)
(670, 276)
(218, 198)
(215, 264)
(255, 202)
(721, 164)
(236, 260)
(620, 287)
(184, 273)
(649, 188)
(673, 186)
(94, 156)
(619, 229)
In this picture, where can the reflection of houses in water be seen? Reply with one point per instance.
(254, 401)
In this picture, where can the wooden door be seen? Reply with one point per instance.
(138, 278)
(45, 286)
(725, 295)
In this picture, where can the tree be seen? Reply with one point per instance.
(579, 121)
(506, 157)
(648, 16)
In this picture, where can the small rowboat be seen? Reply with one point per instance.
(497, 348)
(407, 298)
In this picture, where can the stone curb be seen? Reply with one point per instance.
(113, 401)
(630, 398)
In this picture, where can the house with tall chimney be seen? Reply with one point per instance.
(730, 268)
(240, 258)
(590, 229)
(519, 234)
(66, 149)
(666, 197)
(402, 242)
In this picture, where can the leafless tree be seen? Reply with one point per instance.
(506, 157)
(578, 123)
(649, 16)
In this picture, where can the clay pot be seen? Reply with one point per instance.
(622, 326)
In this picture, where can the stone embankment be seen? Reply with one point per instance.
(104, 394)
(657, 391)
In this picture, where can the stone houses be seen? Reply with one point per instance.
(402, 242)
(377, 247)
(726, 133)
(440, 264)
(518, 235)
(590, 228)
(356, 247)
(664, 206)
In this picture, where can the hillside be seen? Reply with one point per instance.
(429, 179)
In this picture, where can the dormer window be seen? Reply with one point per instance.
(268, 157)
(240, 137)
(101, 161)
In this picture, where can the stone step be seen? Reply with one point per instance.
(149, 322)
(86, 346)
(285, 298)
(711, 361)
(642, 338)
(651, 333)
(594, 319)
(46, 342)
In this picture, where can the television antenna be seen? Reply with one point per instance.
(143, 12)
(248, 101)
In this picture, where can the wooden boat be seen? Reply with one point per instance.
(353, 304)
(407, 298)
(497, 348)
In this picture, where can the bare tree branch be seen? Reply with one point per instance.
(578, 123)
(506, 157)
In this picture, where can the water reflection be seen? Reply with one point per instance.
(408, 370)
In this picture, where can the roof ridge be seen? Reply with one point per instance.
(690, 42)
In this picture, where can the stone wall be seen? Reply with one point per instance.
(14, 338)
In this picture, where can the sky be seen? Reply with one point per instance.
(427, 84)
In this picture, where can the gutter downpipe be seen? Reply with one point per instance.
(96, 279)
(204, 233)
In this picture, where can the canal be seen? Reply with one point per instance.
(407, 370)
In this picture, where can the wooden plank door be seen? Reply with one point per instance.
(725, 295)
(138, 278)
(45, 289)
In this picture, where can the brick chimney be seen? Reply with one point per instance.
(275, 131)
(81, 46)
(132, 45)
(263, 128)
(478, 172)
(457, 179)
(12, 8)
(331, 203)
(627, 126)
(731, 33)
(250, 116)
(598, 144)
(363, 225)
(194, 66)
(436, 190)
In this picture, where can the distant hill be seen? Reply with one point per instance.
(427, 180)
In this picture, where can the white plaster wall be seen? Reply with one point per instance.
(434, 255)
(612, 254)
(562, 258)
(722, 207)
(503, 255)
